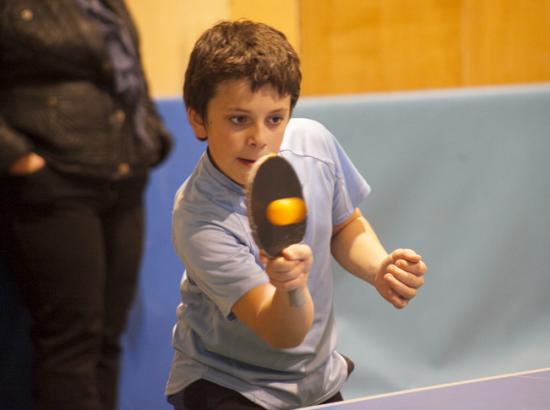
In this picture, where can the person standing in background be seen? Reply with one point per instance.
(79, 134)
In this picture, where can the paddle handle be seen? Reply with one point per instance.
(296, 297)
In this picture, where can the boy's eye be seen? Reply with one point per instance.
(238, 119)
(276, 119)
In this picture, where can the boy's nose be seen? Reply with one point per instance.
(258, 137)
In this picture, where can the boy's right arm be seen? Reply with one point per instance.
(266, 309)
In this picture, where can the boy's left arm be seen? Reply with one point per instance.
(396, 276)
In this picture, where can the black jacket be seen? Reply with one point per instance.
(57, 98)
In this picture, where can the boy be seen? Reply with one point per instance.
(239, 343)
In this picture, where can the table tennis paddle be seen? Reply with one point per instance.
(276, 209)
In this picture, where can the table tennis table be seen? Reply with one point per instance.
(529, 390)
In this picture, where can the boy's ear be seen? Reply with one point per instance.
(197, 123)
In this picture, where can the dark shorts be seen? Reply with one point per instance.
(205, 395)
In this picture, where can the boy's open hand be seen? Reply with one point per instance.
(400, 275)
(290, 270)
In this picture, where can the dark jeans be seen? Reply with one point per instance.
(74, 246)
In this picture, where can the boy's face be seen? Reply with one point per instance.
(242, 126)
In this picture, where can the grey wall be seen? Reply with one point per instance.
(463, 177)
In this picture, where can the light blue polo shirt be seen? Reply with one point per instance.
(212, 237)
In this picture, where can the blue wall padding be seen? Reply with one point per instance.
(463, 177)
(147, 343)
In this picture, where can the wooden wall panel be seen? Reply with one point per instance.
(168, 30)
(353, 46)
(507, 41)
(281, 14)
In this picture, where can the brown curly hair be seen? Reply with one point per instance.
(242, 49)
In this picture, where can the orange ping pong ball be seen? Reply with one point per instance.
(286, 211)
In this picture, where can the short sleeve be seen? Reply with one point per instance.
(217, 262)
(350, 187)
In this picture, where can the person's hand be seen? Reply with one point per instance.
(400, 275)
(290, 270)
(27, 164)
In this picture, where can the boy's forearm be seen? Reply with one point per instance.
(284, 325)
(358, 250)
(268, 312)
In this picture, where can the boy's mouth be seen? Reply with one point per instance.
(247, 162)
